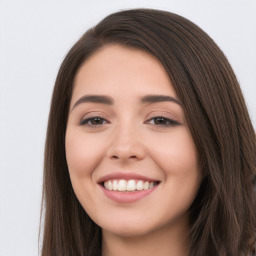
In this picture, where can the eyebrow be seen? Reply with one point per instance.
(107, 100)
(159, 98)
(102, 99)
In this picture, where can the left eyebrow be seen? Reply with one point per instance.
(159, 98)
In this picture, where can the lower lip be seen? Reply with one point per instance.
(127, 197)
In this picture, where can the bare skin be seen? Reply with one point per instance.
(126, 123)
(165, 242)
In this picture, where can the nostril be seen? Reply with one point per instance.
(131, 157)
(125, 151)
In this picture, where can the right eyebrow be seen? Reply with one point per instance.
(102, 99)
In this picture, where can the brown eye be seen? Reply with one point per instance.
(162, 121)
(93, 121)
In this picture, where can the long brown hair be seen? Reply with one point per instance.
(222, 217)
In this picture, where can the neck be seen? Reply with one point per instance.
(163, 242)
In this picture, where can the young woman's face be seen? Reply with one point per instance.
(131, 158)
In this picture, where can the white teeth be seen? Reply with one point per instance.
(139, 185)
(121, 185)
(115, 185)
(110, 186)
(146, 185)
(129, 185)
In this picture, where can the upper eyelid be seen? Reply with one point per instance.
(167, 118)
(146, 121)
(162, 113)
(94, 116)
(84, 121)
(96, 113)
(157, 116)
(109, 117)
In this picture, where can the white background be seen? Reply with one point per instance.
(34, 38)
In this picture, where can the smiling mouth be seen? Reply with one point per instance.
(131, 185)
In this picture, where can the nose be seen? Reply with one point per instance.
(126, 145)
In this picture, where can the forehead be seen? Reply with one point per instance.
(116, 68)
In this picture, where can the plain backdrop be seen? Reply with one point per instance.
(34, 38)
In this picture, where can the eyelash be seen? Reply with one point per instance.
(88, 121)
(166, 122)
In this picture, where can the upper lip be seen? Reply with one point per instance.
(125, 176)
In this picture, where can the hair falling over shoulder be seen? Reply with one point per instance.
(222, 217)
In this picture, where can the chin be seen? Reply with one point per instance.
(145, 225)
(128, 230)
(131, 227)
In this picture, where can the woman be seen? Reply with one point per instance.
(150, 149)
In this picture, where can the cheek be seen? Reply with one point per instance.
(177, 157)
(176, 154)
(82, 154)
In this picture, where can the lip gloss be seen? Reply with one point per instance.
(127, 197)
